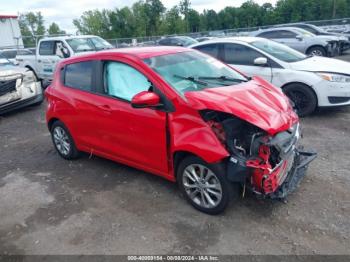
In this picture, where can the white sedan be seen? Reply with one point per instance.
(309, 81)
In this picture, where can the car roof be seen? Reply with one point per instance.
(244, 39)
(65, 37)
(139, 52)
(278, 29)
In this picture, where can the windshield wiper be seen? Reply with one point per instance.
(192, 79)
(223, 78)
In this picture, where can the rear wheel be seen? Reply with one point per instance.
(303, 97)
(63, 141)
(204, 185)
(316, 51)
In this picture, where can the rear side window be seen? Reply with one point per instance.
(269, 35)
(47, 48)
(79, 75)
(123, 81)
(212, 50)
(278, 34)
(240, 54)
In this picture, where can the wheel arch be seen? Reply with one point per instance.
(31, 69)
(317, 45)
(51, 122)
(304, 84)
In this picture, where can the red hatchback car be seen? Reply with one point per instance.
(182, 115)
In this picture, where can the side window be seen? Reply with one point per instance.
(47, 48)
(240, 54)
(269, 35)
(123, 81)
(9, 54)
(212, 49)
(79, 75)
(286, 34)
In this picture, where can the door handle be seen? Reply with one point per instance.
(39, 61)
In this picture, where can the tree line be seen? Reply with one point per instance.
(151, 18)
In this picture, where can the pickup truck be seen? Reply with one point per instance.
(50, 50)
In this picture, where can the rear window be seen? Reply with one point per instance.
(79, 75)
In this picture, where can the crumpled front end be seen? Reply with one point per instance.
(269, 165)
(10, 88)
(18, 88)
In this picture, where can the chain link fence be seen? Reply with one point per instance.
(335, 25)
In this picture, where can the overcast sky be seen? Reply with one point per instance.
(64, 11)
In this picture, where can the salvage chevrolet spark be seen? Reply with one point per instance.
(182, 115)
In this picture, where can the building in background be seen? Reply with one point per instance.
(10, 33)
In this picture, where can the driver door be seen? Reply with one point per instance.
(133, 135)
(48, 58)
(242, 57)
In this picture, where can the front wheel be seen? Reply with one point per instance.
(303, 97)
(316, 51)
(204, 185)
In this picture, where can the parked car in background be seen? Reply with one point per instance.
(182, 115)
(204, 38)
(344, 39)
(310, 82)
(52, 49)
(18, 87)
(302, 40)
(177, 41)
(11, 54)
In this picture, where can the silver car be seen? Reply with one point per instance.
(18, 87)
(302, 40)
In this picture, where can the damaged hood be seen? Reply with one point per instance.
(256, 102)
(10, 70)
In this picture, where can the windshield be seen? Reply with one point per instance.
(189, 41)
(88, 44)
(279, 51)
(193, 71)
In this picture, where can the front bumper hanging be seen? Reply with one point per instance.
(292, 181)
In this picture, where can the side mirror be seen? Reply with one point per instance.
(145, 99)
(299, 37)
(260, 61)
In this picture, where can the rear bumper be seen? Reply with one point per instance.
(22, 103)
(297, 173)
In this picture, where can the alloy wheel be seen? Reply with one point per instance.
(202, 186)
(316, 53)
(61, 140)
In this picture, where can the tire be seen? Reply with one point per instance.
(220, 191)
(316, 51)
(303, 97)
(63, 141)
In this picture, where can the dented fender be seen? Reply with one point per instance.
(191, 134)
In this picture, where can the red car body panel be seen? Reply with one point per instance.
(148, 139)
(257, 102)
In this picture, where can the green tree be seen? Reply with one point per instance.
(31, 25)
(94, 22)
(184, 10)
(54, 29)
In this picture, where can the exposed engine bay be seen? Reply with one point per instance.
(257, 160)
